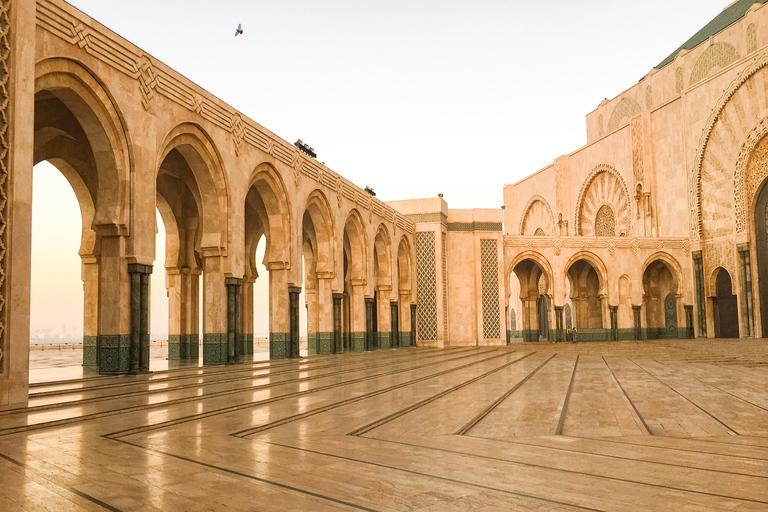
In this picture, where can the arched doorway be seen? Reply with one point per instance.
(660, 288)
(585, 295)
(725, 306)
(354, 316)
(761, 242)
(534, 299)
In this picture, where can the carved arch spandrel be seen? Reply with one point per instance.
(712, 147)
(537, 214)
(604, 185)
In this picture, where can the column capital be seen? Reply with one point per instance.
(337, 296)
(233, 281)
(138, 268)
(294, 289)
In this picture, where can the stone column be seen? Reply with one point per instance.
(215, 337)
(701, 306)
(558, 323)
(358, 317)
(279, 313)
(310, 296)
(324, 304)
(405, 320)
(413, 325)
(183, 314)
(395, 326)
(246, 317)
(383, 314)
(338, 346)
(747, 309)
(689, 321)
(90, 274)
(636, 312)
(614, 313)
(369, 323)
(114, 341)
(293, 300)
(233, 317)
(139, 341)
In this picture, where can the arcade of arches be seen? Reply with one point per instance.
(657, 228)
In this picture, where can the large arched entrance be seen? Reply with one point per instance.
(354, 316)
(317, 251)
(587, 300)
(406, 337)
(660, 290)
(761, 242)
(535, 299)
(267, 215)
(78, 131)
(724, 306)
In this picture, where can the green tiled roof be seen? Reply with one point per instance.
(729, 16)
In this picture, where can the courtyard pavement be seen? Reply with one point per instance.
(663, 425)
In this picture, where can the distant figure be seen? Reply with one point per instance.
(239, 29)
(575, 335)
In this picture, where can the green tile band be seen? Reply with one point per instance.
(384, 339)
(90, 351)
(405, 338)
(215, 348)
(113, 353)
(279, 345)
(324, 342)
(312, 343)
(357, 341)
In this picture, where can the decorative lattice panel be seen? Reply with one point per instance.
(605, 222)
(426, 285)
(445, 282)
(5, 51)
(489, 266)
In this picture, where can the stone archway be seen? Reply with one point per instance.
(585, 284)
(725, 306)
(535, 297)
(660, 289)
(79, 130)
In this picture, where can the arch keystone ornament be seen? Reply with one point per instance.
(147, 80)
(238, 132)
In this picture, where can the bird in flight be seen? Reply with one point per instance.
(239, 29)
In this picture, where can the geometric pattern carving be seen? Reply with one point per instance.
(537, 215)
(444, 254)
(156, 80)
(636, 131)
(716, 56)
(649, 97)
(739, 110)
(751, 38)
(426, 285)
(679, 80)
(604, 186)
(605, 222)
(5, 51)
(626, 108)
(489, 266)
(751, 171)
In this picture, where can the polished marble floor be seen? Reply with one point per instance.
(668, 425)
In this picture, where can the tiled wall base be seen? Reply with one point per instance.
(405, 338)
(279, 345)
(661, 333)
(324, 342)
(384, 340)
(114, 353)
(183, 347)
(245, 345)
(312, 343)
(215, 348)
(90, 350)
(357, 341)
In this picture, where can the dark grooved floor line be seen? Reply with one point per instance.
(561, 420)
(634, 408)
(477, 419)
(402, 412)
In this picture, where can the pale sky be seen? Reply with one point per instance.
(409, 97)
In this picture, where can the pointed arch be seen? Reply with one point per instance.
(537, 214)
(207, 184)
(356, 246)
(604, 185)
(318, 211)
(67, 90)
(266, 195)
(382, 247)
(404, 265)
